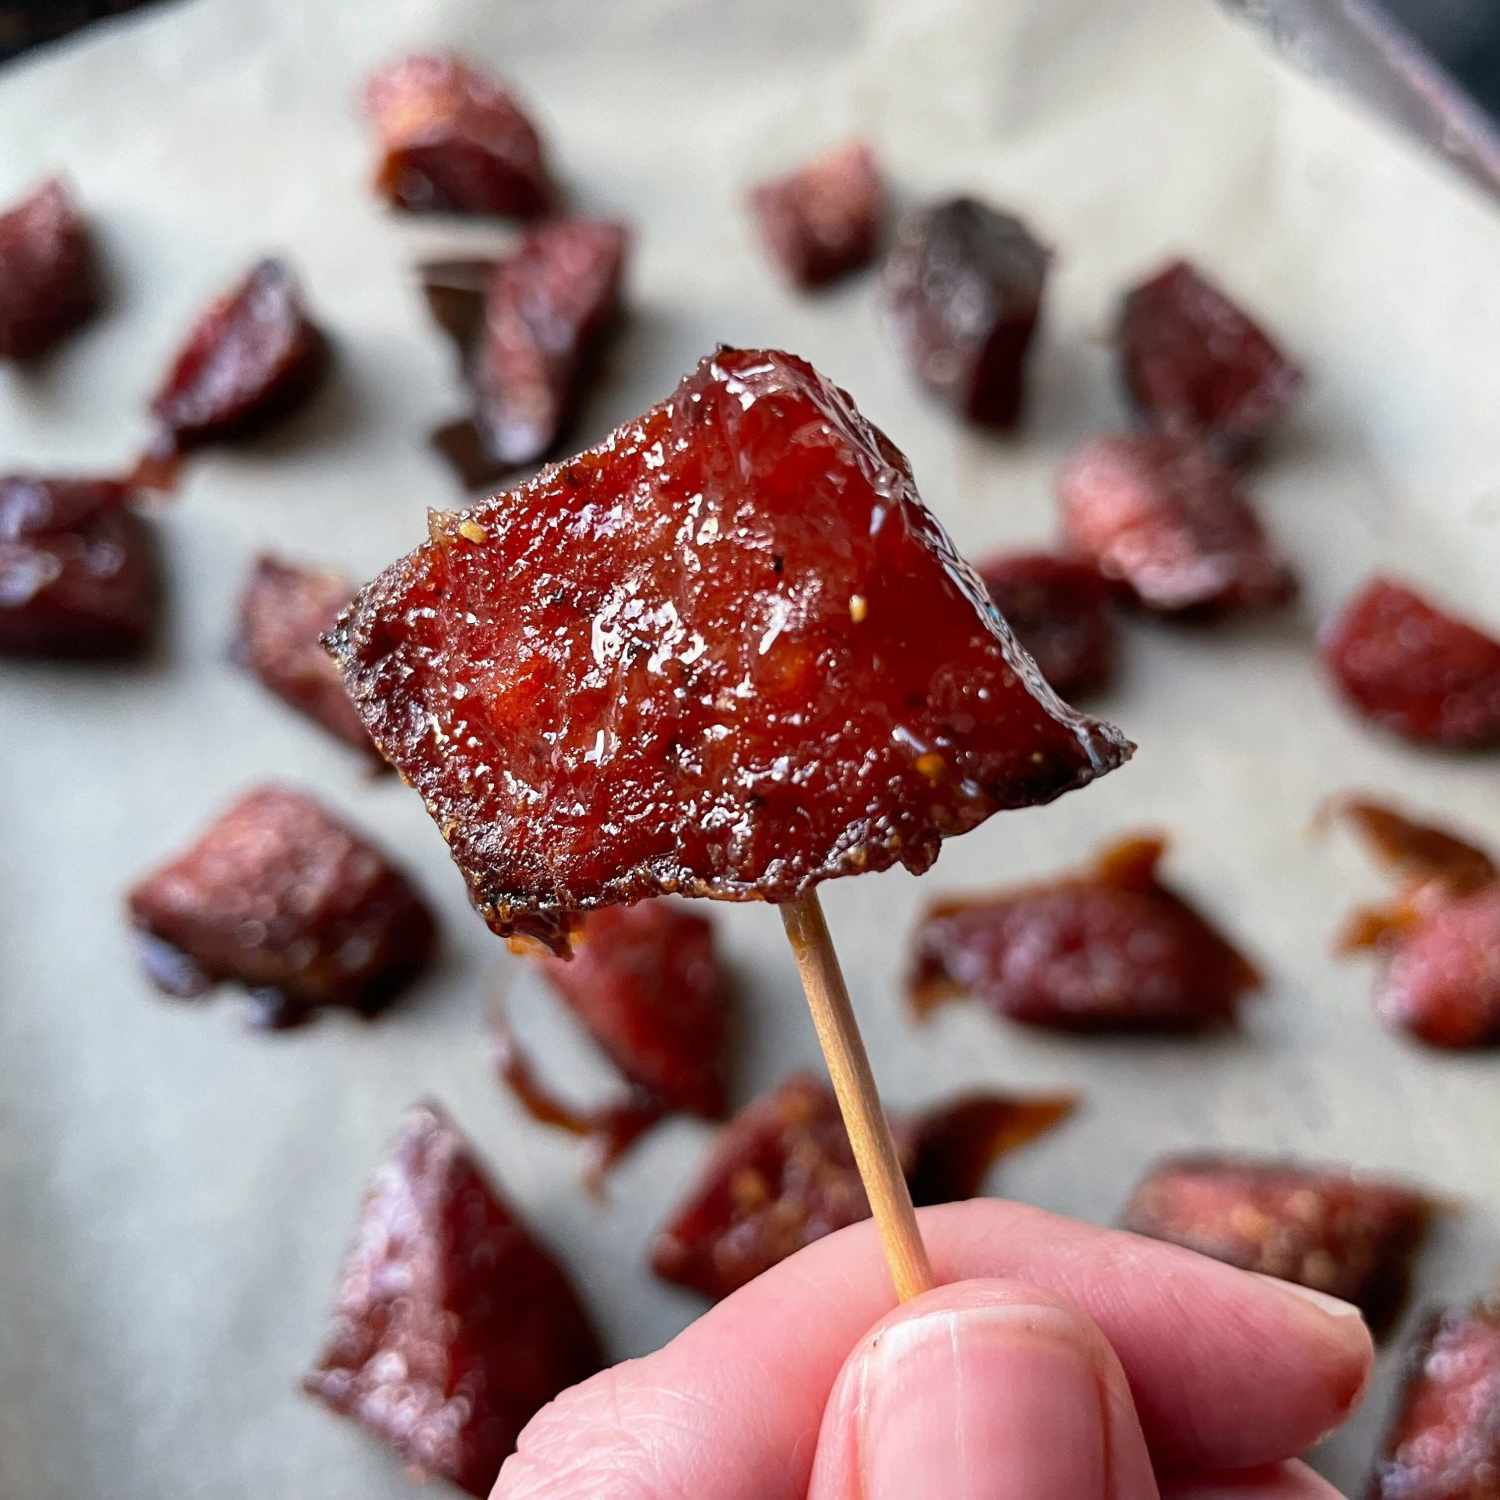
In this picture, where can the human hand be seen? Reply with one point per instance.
(1056, 1362)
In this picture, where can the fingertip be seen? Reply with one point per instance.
(1313, 1355)
(1339, 1328)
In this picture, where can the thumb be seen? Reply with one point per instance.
(984, 1390)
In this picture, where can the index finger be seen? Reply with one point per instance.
(1228, 1370)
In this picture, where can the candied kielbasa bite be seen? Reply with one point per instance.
(529, 328)
(1414, 669)
(727, 652)
(964, 283)
(1440, 934)
(78, 569)
(1109, 949)
(1198, 367)
(1442, 981)
(1341, 1232)
(453, 1326)
(280, 897)
(454, 141)
(647, 984)
(252, 357)
(782, 1174)
(284, 613)
(1061, 609)
(1443, 1442)
(822, 221)
(49, 280)
(1170, 522)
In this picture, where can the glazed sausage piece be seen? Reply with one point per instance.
(822, 221)
(78, 569)
(285, 611)
(454, 141)
(1061, 609)
(49, 280)
(253, 357)
(282, 898)
(964, 286)
(1443, 1442)
(782, 1175)
(1439, 935)
(728, 652)
(1196, 366)
(1170, 523)
(1340, 1232)
(1108, 949)
(1414, 669)
(529, 329)
(454, 1325)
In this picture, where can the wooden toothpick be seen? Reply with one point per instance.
(859, 1101)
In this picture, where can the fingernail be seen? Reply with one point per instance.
(1335, 1307)
(1342, 1324)
(982, 1403)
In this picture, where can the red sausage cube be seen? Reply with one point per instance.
(1110, 949)
(964, 286)
(282, 898)
(1443, 1442)
(1414, 669)
(782, 1175)
(454, 1326)
(1170, 523)
(454, 141)
(1336, 1231)
(78, 569)
(252, 357)
(1439, 936)
(1061, 611)
(822, 221)
(284, 613)
(645, 981)
(1198, 367)
(727, 652)
(48, 276)
(1442, 981)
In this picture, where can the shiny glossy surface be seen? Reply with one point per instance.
(964, 285)
(253, 356)
(1169, 522)
(453, 1325)
(1197, 366)
(48, 277)
(1444, 1439)
(280, 897)
(728, 652)
(284, 612)
(453, 141)
(1062, 611)
(1336, 1231)
(1109, 949)
(822, 221)
(78, 569)
(782, 1175)
(1412, 668)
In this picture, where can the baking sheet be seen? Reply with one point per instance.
(176, 1193)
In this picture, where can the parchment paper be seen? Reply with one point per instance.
(177, 1192)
